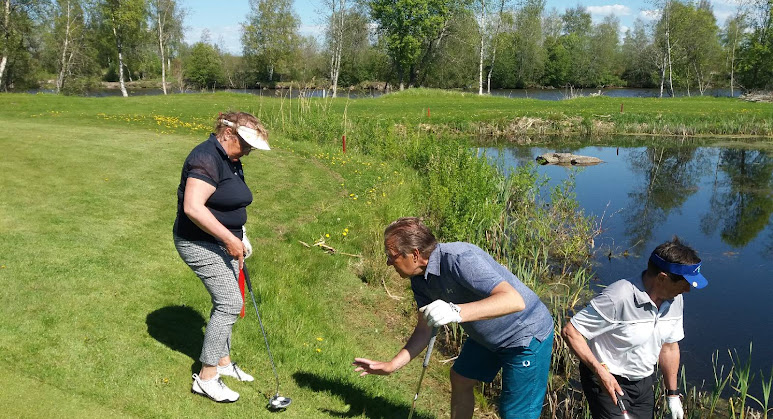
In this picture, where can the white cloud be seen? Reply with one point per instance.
(616, 9)
(649, 14)
(723, 15)
(229, 37)
(317, 31)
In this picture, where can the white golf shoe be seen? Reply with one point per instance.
(233, 370)
(214, 388)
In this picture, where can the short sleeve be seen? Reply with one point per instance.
(590, 323)
(605, 307)
(476, 274)
(205, 167)
(678, 333)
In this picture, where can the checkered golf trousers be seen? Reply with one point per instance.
(220, 274)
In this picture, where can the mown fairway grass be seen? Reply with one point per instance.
(101, 318)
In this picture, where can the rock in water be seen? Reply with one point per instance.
(568, 159)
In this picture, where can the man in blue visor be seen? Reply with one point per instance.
(634, 324)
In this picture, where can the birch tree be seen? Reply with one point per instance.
(663, 39)
(68, 39)
(6, 37)
(731, 38)
(488, 15)
(167, 19)
(124, 19)
(336, 30)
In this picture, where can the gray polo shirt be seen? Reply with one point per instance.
(462, 273)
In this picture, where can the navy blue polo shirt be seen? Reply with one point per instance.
(209, 162)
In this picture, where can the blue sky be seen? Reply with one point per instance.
(224, 19)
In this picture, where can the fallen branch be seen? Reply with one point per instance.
(394, 297)
(329, 249)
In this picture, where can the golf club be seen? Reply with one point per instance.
(622, 408)
(423, 369)
(276, 402)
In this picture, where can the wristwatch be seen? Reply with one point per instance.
(455, 307)
(673, 393)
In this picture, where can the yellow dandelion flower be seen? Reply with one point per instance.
(344, 233)
(319, 350)
(346, 230)
(327, 235)
(320, 339)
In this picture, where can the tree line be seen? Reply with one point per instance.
(76, 44)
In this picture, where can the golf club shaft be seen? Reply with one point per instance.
(265, 338)
(423, 369)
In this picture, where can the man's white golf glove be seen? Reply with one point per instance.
(675, 407)
(247, 244)
(440, 313)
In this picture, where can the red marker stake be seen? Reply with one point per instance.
(343, 141)
(427, 112)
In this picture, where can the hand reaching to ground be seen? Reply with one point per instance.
(366, 366)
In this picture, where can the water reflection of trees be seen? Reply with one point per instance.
(742, 199)
(669, 176)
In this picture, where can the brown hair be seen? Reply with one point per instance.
(240, 119)
(673, 251)
(408, 233)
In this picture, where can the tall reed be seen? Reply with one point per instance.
(543, 240)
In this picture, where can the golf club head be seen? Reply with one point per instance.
(277, 402)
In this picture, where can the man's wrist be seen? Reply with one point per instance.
(456, 309)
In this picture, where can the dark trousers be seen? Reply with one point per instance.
(638, 396)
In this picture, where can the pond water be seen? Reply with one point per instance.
(720, 201)
(542, 94)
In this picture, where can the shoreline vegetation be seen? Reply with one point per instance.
(491, 119)
(400, 159)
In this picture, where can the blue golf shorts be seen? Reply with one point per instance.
(524, 374)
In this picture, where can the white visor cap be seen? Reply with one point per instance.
(249, 135)
(252, 138)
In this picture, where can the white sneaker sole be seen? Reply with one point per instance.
(204, 394)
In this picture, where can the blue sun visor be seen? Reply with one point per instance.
(692, 273)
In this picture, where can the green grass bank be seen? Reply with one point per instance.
(104, 319)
